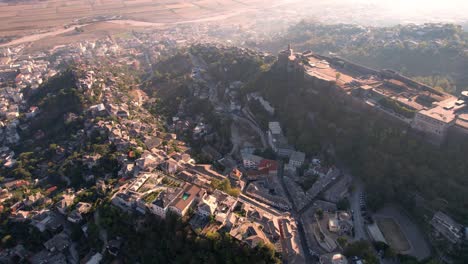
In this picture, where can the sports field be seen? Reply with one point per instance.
(393, 234)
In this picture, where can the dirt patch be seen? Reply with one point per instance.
(27, 18)
(393, 234)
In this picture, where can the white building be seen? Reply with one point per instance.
(274, 128)
(278, 141)
(207, 206)
(434, 121)
(333, 224)
(297, 159)
(251, 161)
(161, 204)
(437, 120)
(333, 258)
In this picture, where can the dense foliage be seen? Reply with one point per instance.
(57, 97)
(225, 186)
(397, 107)
(230, 64)
(173, 241)
(361, 249)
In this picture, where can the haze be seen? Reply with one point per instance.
(385, 12)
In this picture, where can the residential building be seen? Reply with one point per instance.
(274, 129)
(75, 217)
(333, 258)
(170, 166)
(249, 232)
(207, 206)
(297, 159)
(94, 259)
(124, 201)
(186, 199)
(290, 239)
(251, 161)
(148, 162)
(65, 203)
(58, 242)
(152, 142)
(278, 141)
(161, 204)
(235, 174)
(333, 224)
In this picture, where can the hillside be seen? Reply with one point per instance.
(196, 83)
(74, 144)
(57, 98)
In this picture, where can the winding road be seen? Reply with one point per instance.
(36, 37)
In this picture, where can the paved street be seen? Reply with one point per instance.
(359, 226)
(300, 227)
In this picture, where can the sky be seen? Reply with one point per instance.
(408, 6)
(393, 11)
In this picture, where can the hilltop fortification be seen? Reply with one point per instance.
(432, 112)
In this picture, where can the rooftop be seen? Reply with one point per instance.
(252, 157)
(185, 199)
(298, 156)
(271, 165)
(333, 258)
(166, 197)
(445, 111)
(275, 128)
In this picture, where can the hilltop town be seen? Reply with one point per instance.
(158, 146)
(96, 144)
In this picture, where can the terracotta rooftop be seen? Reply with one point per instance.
(186, 198)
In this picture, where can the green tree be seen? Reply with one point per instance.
(7, 241)
(342, 241)
(343, 204)
(361, 249)
(460, 254)
(319, 213)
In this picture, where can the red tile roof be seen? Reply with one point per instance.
(236, 173)
(51, 189)
(271, 165)
(253, 173)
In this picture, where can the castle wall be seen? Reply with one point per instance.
(383, 73)
(352, 103)
(394, 75)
